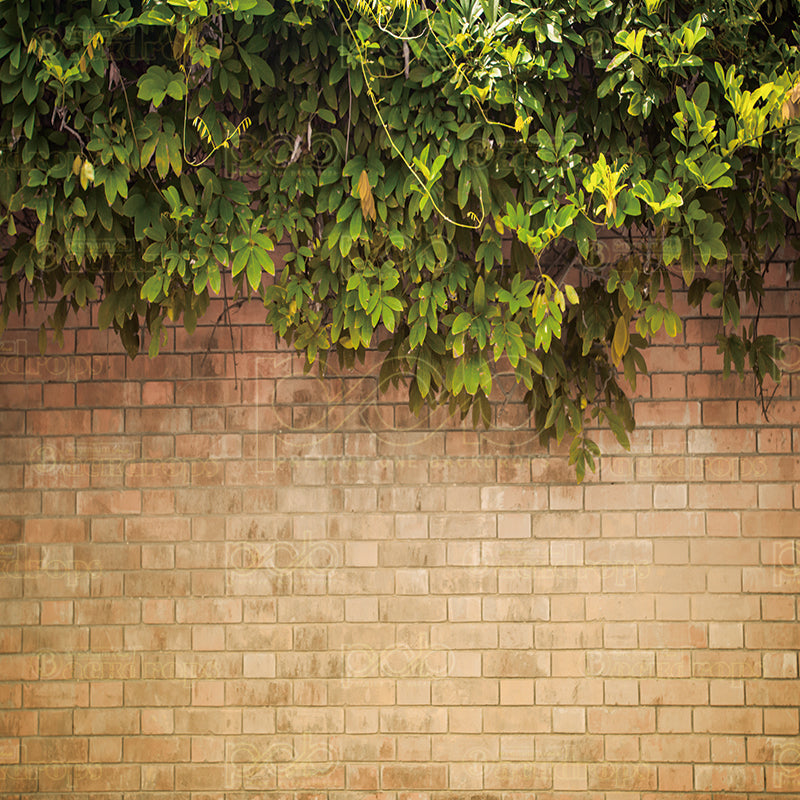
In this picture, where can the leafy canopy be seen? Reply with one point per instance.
(445, 176)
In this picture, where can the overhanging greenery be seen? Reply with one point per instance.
(149, 147)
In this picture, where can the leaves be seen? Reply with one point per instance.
(157, 83)
(408, 214)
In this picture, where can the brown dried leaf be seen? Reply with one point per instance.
(365, 193)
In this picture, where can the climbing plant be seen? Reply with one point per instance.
(448, 178)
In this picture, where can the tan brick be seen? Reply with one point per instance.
(725, 607)
(622, 776)
(773, 693)
(729, 778)
(618, 552)
(567, 691)
(770, 523)
(721, 440)
(515, 609)
(569, 720)
(672, 634)
(567, 635)
(659, 692)
(733, 551)
(772, 635)
(565, 525)
(671, 523)
(417, 720)
(106, 722)
(781, 721)
(602, 497)
(728, 720)
(257, 692)
(504, 719)
(525, 776)
(620, 607)
(516, 663)
(621, 720)
(465, 691)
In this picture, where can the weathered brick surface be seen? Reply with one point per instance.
(271, 586)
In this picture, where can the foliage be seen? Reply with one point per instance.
(439, 172)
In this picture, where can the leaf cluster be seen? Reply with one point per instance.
(450, 181)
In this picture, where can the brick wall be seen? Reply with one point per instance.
(242, 582)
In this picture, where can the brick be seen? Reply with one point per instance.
(568, 635)
(156, 748)
(729, 778)
(150, 529)
(725, 607)
(106, 722)
(516, 720)
(602, 497)
(517, 776)
(400, 776)
(673, 692)
(722, 496)
(781, 721)
(773, 692)
(95, 777)
(679, 413)
(157, 420)
(620, 607)
(621, 720)
(566, 691)
(770, 523)
(515, 663)
(772, 635)
(208, 721)
(55, 422)
(309, 720)
(56, 530)
(618, 552)
(732, 551)
(779, 665)
(559, 524)
(672, 634)
(728, 720)
(721, 440)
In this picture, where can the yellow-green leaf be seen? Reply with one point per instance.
(572, 295)
(619, 345)
(162, 158)
(87, 174)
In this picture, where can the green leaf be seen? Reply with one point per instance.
(162, 158)
(253, 272)
(78, 245)
(461, 323)
(671, 249)
(152, 287)
(479, 296)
